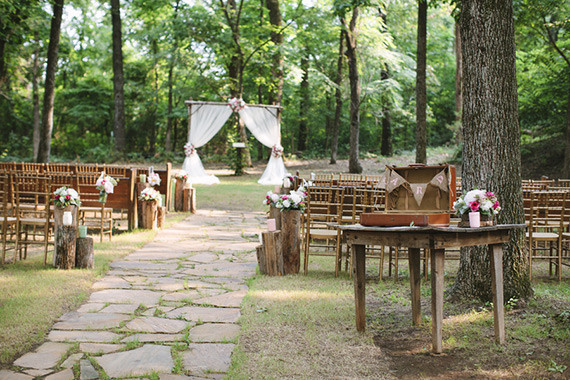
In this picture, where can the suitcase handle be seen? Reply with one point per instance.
(416, 165)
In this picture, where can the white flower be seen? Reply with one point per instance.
(474, 195)
(72, 193)
(274, 197)
(286, 203)
(295, 198)
(109, 187)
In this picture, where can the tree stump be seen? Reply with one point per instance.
(290, 241)
(179, 194)
(65, 243)
(84, 253)
(190, 200)
(272, 253)
(140, 187)
(161, 216)
(275, 213)
(149, 215)
(58, 221)
(260, 251)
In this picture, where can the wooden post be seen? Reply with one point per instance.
(140, 186)
(260, 251)
(290, 241)
(58, 221)
(273, 253)
(359, 274)
(415, 283)
(149, 215)
(498, 296)
(161, 216)
(84, 253)
(189, 200)
(275, 213)
(437, 267)
(65, 243)
(179, 194)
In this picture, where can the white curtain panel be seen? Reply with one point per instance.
(264, 125)
(205, 121)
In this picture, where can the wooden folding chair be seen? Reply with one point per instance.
(10, 222)
(320, 213)
(32, 208)
(546, 227)
(92, 213)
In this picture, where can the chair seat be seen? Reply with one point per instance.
(34, 221)
(543, 236)
(8, 219)
(323, 233)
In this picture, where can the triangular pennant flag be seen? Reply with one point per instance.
(381, 184)
(440, 180)
(419, 190)
(395, 180)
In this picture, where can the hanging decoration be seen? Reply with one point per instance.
(277, 150)
(189, 149)
(236, 104)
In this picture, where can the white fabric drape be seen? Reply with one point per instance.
(264, 125)
(205, 121)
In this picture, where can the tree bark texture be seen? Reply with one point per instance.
(36, 98)
(189, 200)
(354, 165)
(566, 169)
(275, 213)
(149, 215)
(118, 78)
(303, 104)
(58, 221)
(338, 98)
(179, 194)
(290, 239)
(65, 244)
(458, 71)
(421, 98)
(275, 19)
(491, 147)
(169, 117)
(49, 91)
(84, 253)
(386, 146)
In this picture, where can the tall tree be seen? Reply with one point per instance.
(303, 103)
(386, 145)
(49, 91)
(338, 97)
(170, 84)
(491, 141)
(36, 97)
(421, 97)
(118, 78)
(354, 165)
(458, 71)
(276, 21)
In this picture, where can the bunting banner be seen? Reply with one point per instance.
(383, 180)
(440, 180)
(418, 190)
(394, 181)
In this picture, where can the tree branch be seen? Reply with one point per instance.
(553, 43)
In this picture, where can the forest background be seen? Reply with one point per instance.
(180, 49)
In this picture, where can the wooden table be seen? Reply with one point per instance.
(437, 239)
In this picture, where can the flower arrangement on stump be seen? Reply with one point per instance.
(483, 202)
(65, 196)
(149, 194)
(106, 185)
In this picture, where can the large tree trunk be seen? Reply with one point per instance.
(118, 78)
(276, 21)
(169, 117)
(566, 169)
(491, 145)
(421, 98)
(303, 104)
(458, 70)
(354, 78)
(36, 97)
(338, 98)
(49, 92)
(386, 147)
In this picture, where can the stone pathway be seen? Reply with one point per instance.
(168, 310)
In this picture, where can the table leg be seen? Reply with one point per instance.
(498, 296)
(359, 271)
(437, 265)
(415, 282)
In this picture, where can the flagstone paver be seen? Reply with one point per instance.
(187, 285)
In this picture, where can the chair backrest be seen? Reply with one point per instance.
(547, 208)
(4, 186)
(60, 179)
(319, 204)
(86, 187)
(355, 180)
(33, 191)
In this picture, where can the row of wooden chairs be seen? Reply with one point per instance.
(27, 212)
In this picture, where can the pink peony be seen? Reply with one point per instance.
(489, 194)
(474, 206)
(495, 205)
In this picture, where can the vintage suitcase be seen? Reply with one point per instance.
(413, 191)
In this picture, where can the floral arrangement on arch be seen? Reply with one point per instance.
(277, 151)
(106, 185)
(295, 200)
(236, 104)
(476, 200)
(65, 196)
(149, 194)
(189, 149)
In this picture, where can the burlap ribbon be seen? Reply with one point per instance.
(394, 181)
(418, 190)
(440, 180)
